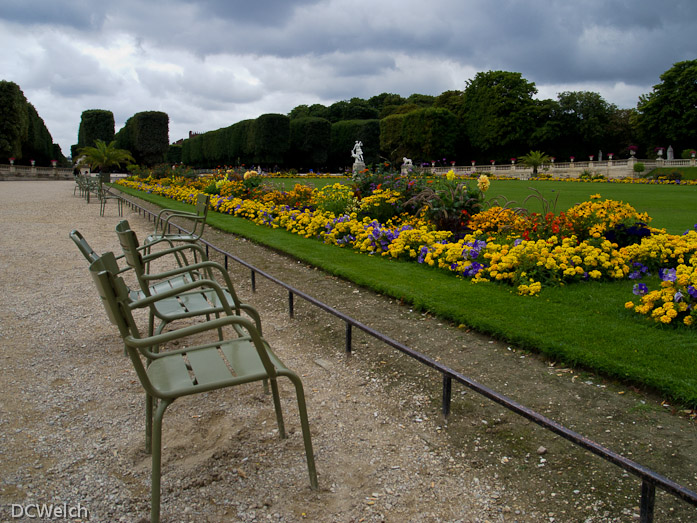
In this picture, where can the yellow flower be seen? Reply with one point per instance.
(483, 183)
(450, 175)
(629, 305)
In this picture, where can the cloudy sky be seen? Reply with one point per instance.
(211, 63)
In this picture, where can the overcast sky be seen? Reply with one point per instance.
(211, 63)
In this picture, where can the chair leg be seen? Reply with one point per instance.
(307, 437)
(156, 462)
(149, 403)
(277, 408)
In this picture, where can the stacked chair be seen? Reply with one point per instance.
(224, 348)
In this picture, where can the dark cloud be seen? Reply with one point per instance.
(224, 60)
(80, 14)
(260, 13)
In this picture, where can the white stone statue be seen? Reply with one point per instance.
(357, 152)
(406, 162)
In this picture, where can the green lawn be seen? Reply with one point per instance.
(585, 324)
(672, 207)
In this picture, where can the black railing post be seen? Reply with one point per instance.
(254, 281)
(291, 312)
(648, 498)
(348, 338)
(447, 394)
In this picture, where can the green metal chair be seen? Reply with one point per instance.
(190, 303)
(164, 219)
(200, 368)
(105, 195)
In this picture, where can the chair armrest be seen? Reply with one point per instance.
(204, 266)
(183, 289)
(175, 250)
(252, 313)
(165, 215)
(144, 344)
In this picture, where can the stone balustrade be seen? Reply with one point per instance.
(24, 172)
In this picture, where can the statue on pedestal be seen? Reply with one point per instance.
(357, 153)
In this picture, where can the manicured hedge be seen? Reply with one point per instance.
(146, 136)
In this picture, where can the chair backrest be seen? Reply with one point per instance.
(133, 257)
(202, 202)
(84, 247)
(114, 294)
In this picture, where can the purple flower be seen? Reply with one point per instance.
(639, 272)
(667, 274)
(640, 289)
(692, 292)
(678, 297)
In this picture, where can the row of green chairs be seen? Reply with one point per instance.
(90, 185)
(224, 348)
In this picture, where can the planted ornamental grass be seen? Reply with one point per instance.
(585, 324)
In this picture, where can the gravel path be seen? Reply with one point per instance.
(71, 427)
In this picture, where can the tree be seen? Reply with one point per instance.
(95, 124)
(668, 115)
(104, 156)
(430, 134)
(146, 136)
(498, 113)
(14, 121)
(534, 159)
(309, 142)
(585, 118)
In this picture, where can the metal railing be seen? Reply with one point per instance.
(649, 479)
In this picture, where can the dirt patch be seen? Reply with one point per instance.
(72, 423)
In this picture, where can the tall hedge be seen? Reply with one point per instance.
(310, 140)
(271, 139)
(241, 146)
(39, 145)
(345, 134)
(430, 134)
(23, 133)
(174, 154)
(14, 121)
(95, 124)
(392, 139)
(146, 136)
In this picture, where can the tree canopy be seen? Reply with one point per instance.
(668, 114)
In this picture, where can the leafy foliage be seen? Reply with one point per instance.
(535, 159)
(309, 141)
(103, 156)
(95, 124)
(146, 135)
(669, 113)
(23, 134)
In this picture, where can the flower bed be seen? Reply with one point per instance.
(594, 240)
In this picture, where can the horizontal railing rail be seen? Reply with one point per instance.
(649, 478)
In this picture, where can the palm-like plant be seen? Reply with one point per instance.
(104, 156)
(534, 159)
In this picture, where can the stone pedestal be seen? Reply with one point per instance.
(358, 167)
